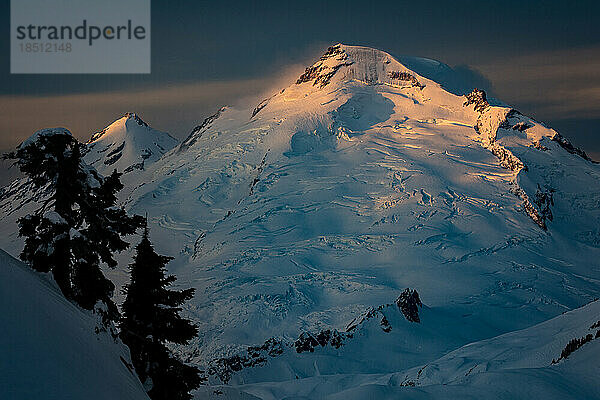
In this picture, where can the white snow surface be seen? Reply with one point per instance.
(127, 145)
(336, 193)
(49, 347)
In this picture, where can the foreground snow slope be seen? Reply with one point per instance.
(49, 347)
(517, 365)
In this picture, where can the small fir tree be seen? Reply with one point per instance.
(151, 319)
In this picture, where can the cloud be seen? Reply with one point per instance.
(172, 108)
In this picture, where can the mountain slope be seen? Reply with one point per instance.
(128, 144)
(50, 350)
(517, 365)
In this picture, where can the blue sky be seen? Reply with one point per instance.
(541, 57)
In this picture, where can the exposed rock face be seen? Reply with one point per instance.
(543, 200)
(409, 302)
(521, 126)
(576, 343)
(478, 98)
(136, 118)
(507, 159)
(114, 155)
(490, 121)
(259, 107)
(385, 325)
(199, 130)
(568, 146)
(224, 368)
(308, 342)
(321, 72)
(406, 76)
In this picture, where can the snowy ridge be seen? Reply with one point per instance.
(199, 130)
(373, 324)
(534, 347)
(50, 348)
(517, 365)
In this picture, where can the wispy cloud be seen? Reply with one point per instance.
(172, 108)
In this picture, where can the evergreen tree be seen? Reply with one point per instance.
(78, 226)
(151, 319)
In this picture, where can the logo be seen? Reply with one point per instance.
(80, 36)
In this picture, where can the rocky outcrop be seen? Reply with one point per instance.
(543, 200)
(136, 118)
(477, 98)
(114, 155)
(576, 343)
(224, 368)
(521, 126)
(507, 159)
(529, 208)
(199, 130)
(406, 76)
(409, 303)
(323, 70)
(259, 107)
(490, 120)
(568, 146)
(308, 342)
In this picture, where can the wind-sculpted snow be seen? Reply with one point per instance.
(535, 347)
(358, 180)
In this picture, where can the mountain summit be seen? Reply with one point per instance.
(128, 144)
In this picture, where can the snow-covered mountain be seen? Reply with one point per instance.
(301, 221)
(49, 348)
(127, 145)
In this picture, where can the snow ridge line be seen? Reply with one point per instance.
(199, 130)
(222, 369)
(490, 119)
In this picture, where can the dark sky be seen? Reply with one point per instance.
(540, 57)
